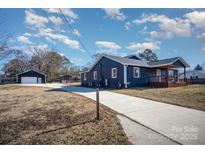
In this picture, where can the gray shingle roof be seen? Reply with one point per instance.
(142, 63)
(128, 61)
(168, 61)
(134, 62)
(163, 62)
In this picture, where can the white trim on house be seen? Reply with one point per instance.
(30, 70)
(158, 75)
(114, 76)
(84, 77)
(138, 72)
(95, 75)
(83, 72)
(182, 60)
(125, 75)
(170, 72)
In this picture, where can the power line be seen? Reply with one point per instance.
(71, 28)
(46, 14)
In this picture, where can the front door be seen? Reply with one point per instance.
(158, 78)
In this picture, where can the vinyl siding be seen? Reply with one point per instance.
(137, 82)
(104, 70)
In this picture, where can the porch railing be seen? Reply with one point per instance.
(166, 81)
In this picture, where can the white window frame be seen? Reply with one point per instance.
(84, 76)
(171, 72)
(134, 72)
(114, 76)
(95, 75)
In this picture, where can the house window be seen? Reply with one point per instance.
(114, 72)
(84, 76)
(136, 72)
(95, 75)
(171, 73)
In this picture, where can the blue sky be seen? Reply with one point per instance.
(168, 32)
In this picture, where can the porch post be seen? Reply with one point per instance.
(184, 74)
(125, 75)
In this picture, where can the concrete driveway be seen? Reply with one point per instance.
(183, 125)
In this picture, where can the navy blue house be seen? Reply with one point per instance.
(31, 77)
(130, 71)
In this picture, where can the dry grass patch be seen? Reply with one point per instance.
(192, 96)
(34, 115)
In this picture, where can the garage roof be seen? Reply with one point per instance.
(29, 71)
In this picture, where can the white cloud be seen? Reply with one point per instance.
(151, 18)
(24, 39)
(128, 25)
(107, 47)
(34, 20)
(115, 13)
(76, 60)
(203, 49)
(67, 12)
(201, 37)
(168, 27)
(140, 47)
(178, 27)
(197, 18)
(70, 13)
(165, 35)
(27, 34)
(49, 34)
(55, 20)
(76, 32)
(144, 30)
(51, 10)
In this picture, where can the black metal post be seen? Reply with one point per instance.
(97, 105)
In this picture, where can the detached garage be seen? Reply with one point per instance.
(31, 77)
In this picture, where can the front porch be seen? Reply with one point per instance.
(168, 76)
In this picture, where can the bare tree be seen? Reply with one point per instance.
(49, 62)
(38, 58)
(14, 67)
(4, 49)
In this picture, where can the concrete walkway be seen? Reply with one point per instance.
(183, 125)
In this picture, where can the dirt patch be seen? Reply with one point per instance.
(192, 96)
(34, 115)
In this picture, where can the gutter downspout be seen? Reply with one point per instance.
(125, 75)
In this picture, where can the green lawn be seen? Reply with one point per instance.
(192, 96)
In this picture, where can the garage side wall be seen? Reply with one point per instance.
(32, 74)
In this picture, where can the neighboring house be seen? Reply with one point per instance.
(31, 77)
(124, 72)
(66, 78)
(194, 74)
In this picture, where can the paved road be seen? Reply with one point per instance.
(184, 125)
